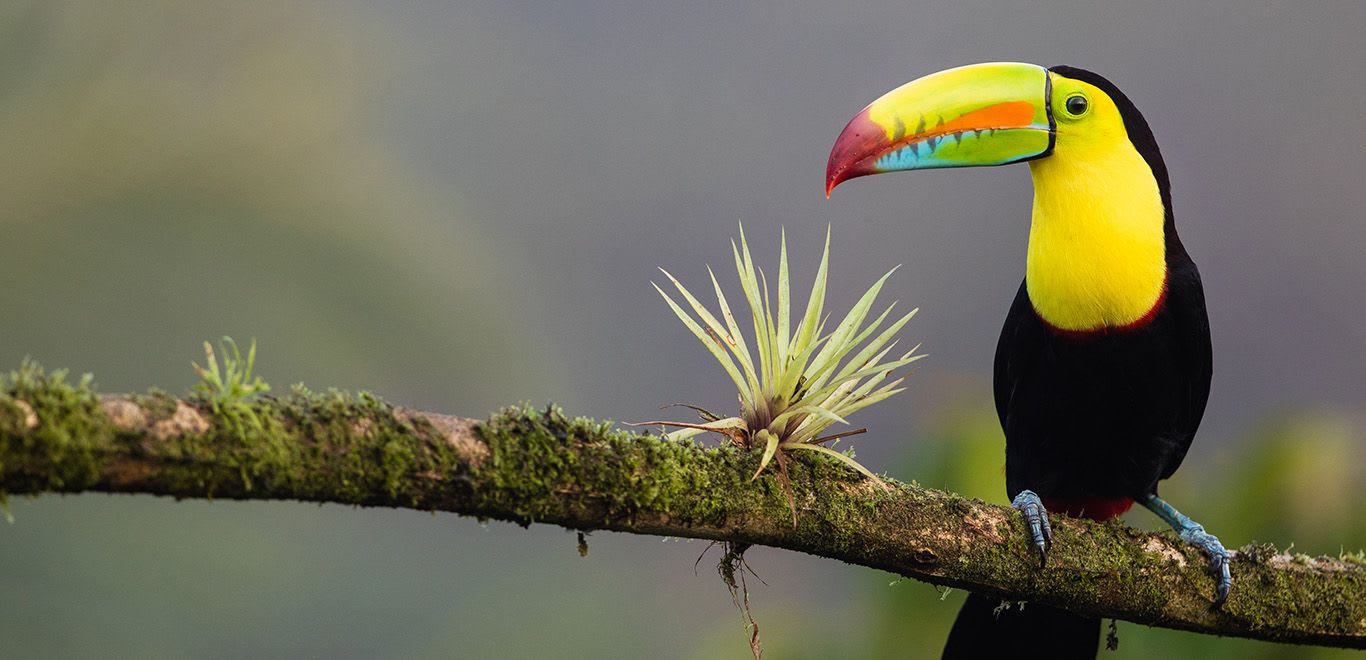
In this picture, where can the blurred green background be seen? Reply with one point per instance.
(460, 205)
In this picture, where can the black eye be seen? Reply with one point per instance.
(1076, 106)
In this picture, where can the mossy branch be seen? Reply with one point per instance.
(526, 466)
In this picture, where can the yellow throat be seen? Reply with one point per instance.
(1097, 256)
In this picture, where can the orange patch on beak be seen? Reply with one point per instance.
(864, 141)
(1008, 114)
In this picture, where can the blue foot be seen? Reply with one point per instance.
(1036, 516)
(1194, 533)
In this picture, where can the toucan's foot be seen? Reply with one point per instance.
(1036, 517)
(1194, 533)
(1218, 559)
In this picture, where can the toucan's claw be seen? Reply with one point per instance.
(1218, 559)
(1036, 516)
(1194, 533)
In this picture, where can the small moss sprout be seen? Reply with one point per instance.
(229, 390)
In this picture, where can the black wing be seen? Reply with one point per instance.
(1022, 338)
(1191, 343)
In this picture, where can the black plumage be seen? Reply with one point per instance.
(1093, 420)
(1109, 413)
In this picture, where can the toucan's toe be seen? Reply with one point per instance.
(1218, 560)
(1036, 517)
(1194, 533)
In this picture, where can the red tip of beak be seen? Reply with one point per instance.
(855, 151)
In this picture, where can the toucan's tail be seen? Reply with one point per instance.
(1034, 631)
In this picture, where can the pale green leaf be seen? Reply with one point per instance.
(784, 302)
(720, 331)
(845, 459)
(712, 345)
(770, 339)
(864, 373)
(683, 434)
(873, 398)
(787, 385)
(860, 359)
(714, 425)
(813, 426)
(874, 379)
(770, 449)
(741, 349)
(749, 282)
(859, 398)
(838, 345)
(809, 409)
(815, 305)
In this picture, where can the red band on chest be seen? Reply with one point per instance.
(1105, 330)
(1095, 508)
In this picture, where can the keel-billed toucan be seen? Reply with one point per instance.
(1103, 366)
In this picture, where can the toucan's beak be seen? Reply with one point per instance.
(981, 114)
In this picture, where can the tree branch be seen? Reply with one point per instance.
(525, 467)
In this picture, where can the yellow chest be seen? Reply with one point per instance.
(1097, 256)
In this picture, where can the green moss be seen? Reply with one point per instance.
(541, 461)
(1258, 553)
(1282, 594)
(369, 453)
(157, 404)
(540, 465)
(63, 450)
(330, 446)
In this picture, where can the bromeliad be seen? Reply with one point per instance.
(804, 379)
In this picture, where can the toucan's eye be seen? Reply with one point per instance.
(1076, 105)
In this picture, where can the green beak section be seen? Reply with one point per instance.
(976, 115)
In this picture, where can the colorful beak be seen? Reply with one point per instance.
(971, 116)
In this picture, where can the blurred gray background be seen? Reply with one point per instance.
(460, 206)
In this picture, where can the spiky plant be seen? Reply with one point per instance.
(230, 390)
(235, 381)
(804, 380)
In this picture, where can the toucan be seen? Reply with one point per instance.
(1103, 366)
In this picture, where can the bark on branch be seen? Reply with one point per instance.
(525, 466)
